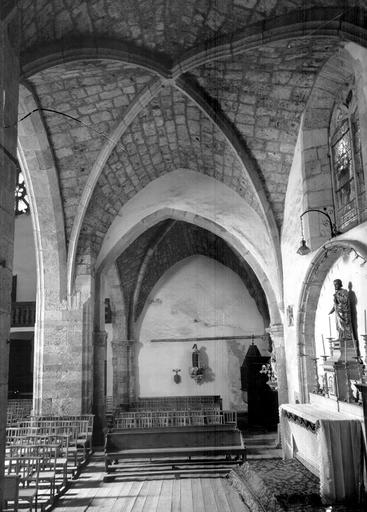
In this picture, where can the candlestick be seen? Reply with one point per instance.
(345, 351)
(317, 387)
(329, 327)
(326, 386)
(348, 389)
(336, 384)
(323, 343)
(364, 336)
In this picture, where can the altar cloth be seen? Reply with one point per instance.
(337, 445)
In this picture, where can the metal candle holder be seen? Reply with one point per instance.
(364, 370)
(317, 384)
(324, 378)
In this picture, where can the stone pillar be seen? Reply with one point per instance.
(120, 372)
(64, 350)
(277, 335)
(9, 84)
(132, 370)
(100, 352)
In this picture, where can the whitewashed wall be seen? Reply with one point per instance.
(196, 298)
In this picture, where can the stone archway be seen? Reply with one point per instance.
(325, 257)
(62, 331)
(200, 200)
(205, 202)
(40, 175)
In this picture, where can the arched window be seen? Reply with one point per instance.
(346, 160)
(21, 197)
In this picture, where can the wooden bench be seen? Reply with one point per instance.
(171, 442)
(171, 403)
(145, 419)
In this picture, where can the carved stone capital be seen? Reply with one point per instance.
(276, 332)
(100, 338)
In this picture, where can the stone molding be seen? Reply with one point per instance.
(276, 332)
(90, 48)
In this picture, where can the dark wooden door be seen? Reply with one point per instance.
(262, 400)
(20, 368)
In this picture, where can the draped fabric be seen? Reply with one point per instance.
(338, 449)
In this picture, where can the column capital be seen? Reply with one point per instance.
(100, 338)
(276, 331)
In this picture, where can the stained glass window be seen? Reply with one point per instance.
(343, 166)
(348, 179)
(21, 196)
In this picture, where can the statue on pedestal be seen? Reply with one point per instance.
(343, 308)
(343, 367)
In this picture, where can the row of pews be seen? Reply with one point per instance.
(17, 410)
(148, 419)
(172, 403)
(42, 454)
(171, 427)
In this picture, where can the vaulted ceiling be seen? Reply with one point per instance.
(153, 253)
(134, 89)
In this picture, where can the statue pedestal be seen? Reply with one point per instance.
(339, 376)
(342, 370)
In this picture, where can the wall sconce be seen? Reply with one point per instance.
(304, 249)
(177, 377)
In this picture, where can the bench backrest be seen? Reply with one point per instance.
(175, 402)
(171, 438)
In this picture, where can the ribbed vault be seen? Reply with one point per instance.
(166, 26)
(264, 92)
(96, 94)
(170, 133)
(218, 88)
(162, 246)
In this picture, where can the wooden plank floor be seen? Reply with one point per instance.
(200, 492)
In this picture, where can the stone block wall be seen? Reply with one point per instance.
(9, 74)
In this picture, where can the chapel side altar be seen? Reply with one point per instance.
(329, 443)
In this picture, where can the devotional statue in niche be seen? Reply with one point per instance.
(345, 314)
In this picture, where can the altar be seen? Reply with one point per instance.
(329, 444)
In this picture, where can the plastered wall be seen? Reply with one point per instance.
(197, 298)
